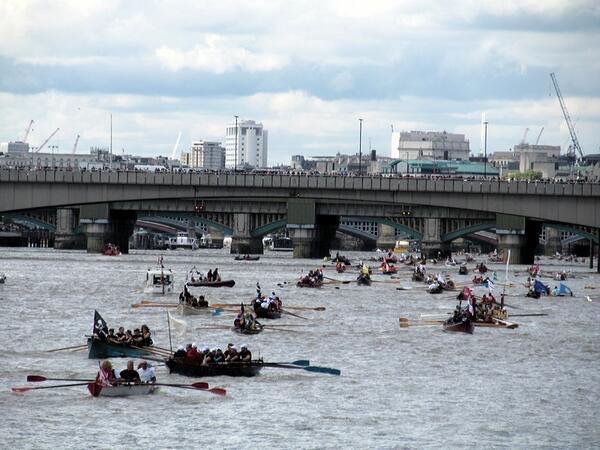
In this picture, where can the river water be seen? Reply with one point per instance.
(537, 386)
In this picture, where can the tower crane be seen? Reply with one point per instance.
(75, 145)
(574, 141)
(28, 130)
(539, 136)
(46, 141)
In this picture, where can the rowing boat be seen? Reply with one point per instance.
(247, 258)
(464, 326)
(122, 390)
(246, 330)
(98, 349)
(262, 313)
(225, 283)
(187, 310)
(193, 368)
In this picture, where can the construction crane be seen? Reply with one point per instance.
(174, 152)
(524, 136)
(539, 136)
(28, 130)
(46, 141)
(574, 141)
(75, 145)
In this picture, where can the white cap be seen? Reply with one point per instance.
(206, 349)
(194, 345)
(234, 348)
(244, 346)
(180, 347)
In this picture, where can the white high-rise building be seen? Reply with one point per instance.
(205, 155)
(252, 144)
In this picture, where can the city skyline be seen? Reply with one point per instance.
(306, 73)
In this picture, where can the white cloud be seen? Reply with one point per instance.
(219, 55)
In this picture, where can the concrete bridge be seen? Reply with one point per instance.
(311, 204)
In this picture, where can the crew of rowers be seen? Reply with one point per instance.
(387, 267)
(313, 278)
(271, 303)
(211, 276)
(186, 298)
(246, 321)
(106, 375)
(208, 356)
(140, 337)
(483, 311)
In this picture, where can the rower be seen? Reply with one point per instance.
(192, 350)
(112, 337)
(180, 353)
(218, 357)
(146, 373)
(233, 354)
(216, 276)
(245, 354)
(209, 275)
(146, 336)
(106, 375)
(130, 375)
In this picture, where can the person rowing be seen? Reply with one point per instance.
(129, 375)
(106, 375)
(146, 372)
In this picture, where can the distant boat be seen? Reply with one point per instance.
(281, 244)
(182, 240)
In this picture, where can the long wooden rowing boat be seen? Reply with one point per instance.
(247, 258)
(224, 283)
(122, 390)
(98, 349)
(262, 313)
(187, 310)
(247, 331)
(465, 326)
(191, 368)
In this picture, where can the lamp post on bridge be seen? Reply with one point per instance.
(360, 121)
(485, 124)
(236, 142)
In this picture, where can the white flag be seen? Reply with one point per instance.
(177, 325)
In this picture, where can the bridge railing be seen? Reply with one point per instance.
(303, 182)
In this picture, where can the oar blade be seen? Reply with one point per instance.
(217, 391)
(327, 370)
(200, 385)
(94, 389)
(35, 378)
(21, 390)
(301, 362)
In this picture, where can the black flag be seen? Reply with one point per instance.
(100, 327)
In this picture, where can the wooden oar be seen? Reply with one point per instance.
(66, 348)
(284, 329)
(510, 325)
(339, 281)
(154, 350)
(201, 386)
(318, 369)
(154, 305)
(529, 315)
(39, 378)
(25, 389)
(408, 324)
(292, 314)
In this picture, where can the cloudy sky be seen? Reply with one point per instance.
(306, 69)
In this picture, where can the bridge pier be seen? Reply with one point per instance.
(103, 226)
(553, 243)
(242, 241)
(314, 241)
(65, 236)
(518, 235)
(386, 236)
(432, 245)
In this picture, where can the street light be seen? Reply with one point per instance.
(236, 139)
(485, 124)
(360, 146)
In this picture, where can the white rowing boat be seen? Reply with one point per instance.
(122, 390)
(187, 310)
